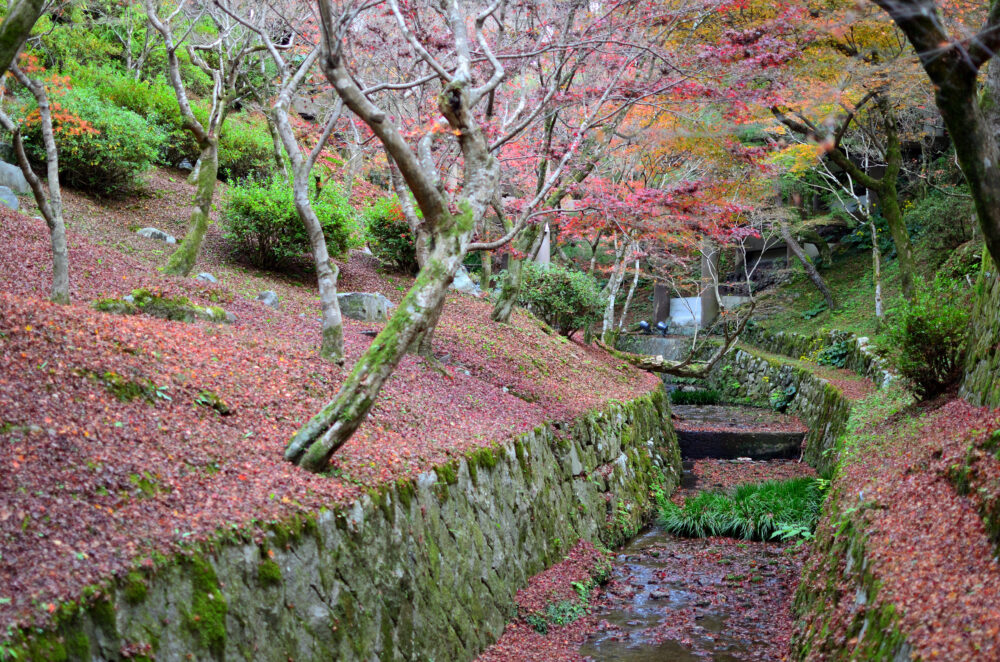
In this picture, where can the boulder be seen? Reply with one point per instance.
(206, 277)
(159, 235)
(8, 199)
(464, 283)
(269, 298)
(365, 306)
(12, 177)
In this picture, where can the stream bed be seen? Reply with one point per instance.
(722, 599)
(676, 599)
(673, 599)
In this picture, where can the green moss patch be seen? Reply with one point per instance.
(176, 308)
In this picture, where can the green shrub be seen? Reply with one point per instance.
(153, 99)
(245, 148)
(930, 333)
(565, 299)
(781, 398)
(699, 397)
(103, 149)
(756, 511)
(261, 220)
(947, 220)
(388, 235)
(835, 355)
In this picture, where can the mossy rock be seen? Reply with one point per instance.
(177, 309)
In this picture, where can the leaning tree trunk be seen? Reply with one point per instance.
(809, 235)
(181, 262)
(807, 264)
(15, 28)
(954, 71)
(510, 285)
(317, 440)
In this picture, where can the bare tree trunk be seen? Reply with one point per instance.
(593, 251)
(421, 238)
(51, 207)
(611, 288)
(312, 446)
(353, 163)
(628, 299)
(332, 339)
(510, 285)
(889, 198)
(876, 271)
(487, 270)
(182, 260)
(17, 24)
(886, 186)
(809, 235)
(424, 342)
(807, 264)
(224, 74)
(147, 48)
(953, 68)
(279, 157)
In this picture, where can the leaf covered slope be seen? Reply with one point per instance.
(125, 435)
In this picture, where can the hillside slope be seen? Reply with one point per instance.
(121, 436)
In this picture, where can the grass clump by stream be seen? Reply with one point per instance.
(758, 511)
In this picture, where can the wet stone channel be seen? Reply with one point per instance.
(674, 599)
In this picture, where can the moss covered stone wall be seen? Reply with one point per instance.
(859, 357)
(745, 374)
(981, 385)
(839, 613)
(423, 570)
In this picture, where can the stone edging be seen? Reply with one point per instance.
(416, 570)
(744, 374)
(860, 358)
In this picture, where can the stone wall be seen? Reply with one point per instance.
(981, 385)
(860, 357)
(837, 606)
(744, 374)
(839, 613)
(422, 570)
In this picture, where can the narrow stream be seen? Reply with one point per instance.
(678, 600)
(695, 599)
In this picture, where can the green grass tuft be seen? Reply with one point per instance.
(758, 511)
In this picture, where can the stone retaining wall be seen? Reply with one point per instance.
(423, 570)
(860, 358)
(839, 612)
(744, 374)
(981, 384)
